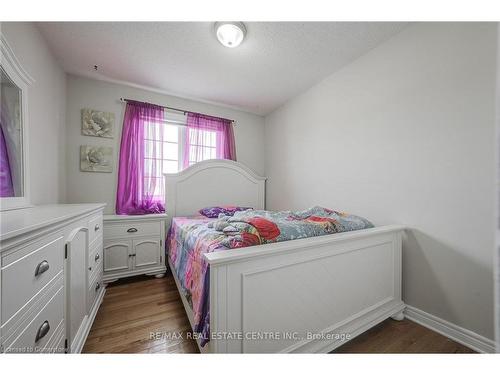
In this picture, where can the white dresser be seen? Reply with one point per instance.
(134, 245)
(50, 277)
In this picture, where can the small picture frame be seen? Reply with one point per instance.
(97, 123)
(96, 159)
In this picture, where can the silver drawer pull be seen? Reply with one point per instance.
(42, 331)
(97, 287)
(132, 230)
(96, 258)
(97, 227)
(42, 267)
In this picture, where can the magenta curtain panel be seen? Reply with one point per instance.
(208, 137)
(139, 171)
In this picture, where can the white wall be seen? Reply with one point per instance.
(497, 244)
(405, 134)
(101, 187)
(47, 111)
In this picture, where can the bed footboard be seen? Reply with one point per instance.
(310, 295)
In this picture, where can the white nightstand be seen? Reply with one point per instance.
(134, 245)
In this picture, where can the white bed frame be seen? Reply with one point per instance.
(294, 296)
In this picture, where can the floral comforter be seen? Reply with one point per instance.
(190, 237)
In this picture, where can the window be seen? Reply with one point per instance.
(164, 142)
(156, 141)
(164, 148)
(203, 145)
(161, 154)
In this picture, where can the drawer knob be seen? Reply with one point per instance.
(96, 258)
(97, 286)
(42, 267)
(132, 230)
(97, 227)
(42, 331)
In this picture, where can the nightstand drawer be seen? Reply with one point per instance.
(131, 228)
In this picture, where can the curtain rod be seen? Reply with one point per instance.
(125, 100)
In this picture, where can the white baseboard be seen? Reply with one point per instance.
(461, 335)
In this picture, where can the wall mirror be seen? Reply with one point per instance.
(14, 176)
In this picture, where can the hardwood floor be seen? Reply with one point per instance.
(135, 308)
(406, 336)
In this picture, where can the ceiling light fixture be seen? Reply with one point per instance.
(230, 34)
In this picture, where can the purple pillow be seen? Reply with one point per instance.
(215, 211)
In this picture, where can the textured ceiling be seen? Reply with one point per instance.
(275, 62)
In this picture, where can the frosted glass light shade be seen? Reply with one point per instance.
(230, 34)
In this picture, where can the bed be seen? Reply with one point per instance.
(308, 295)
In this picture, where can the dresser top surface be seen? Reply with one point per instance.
(18, 222)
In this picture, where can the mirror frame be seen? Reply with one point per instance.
(23, 80)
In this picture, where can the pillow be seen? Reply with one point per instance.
(214, 212)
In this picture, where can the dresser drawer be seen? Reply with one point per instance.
(28, 271)
(95, 228)
(95, 258)
(39, 331)
(130, 229)
(95, 270)
(56, 343)
(95, 288)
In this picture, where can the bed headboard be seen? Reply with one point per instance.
(211, 183)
